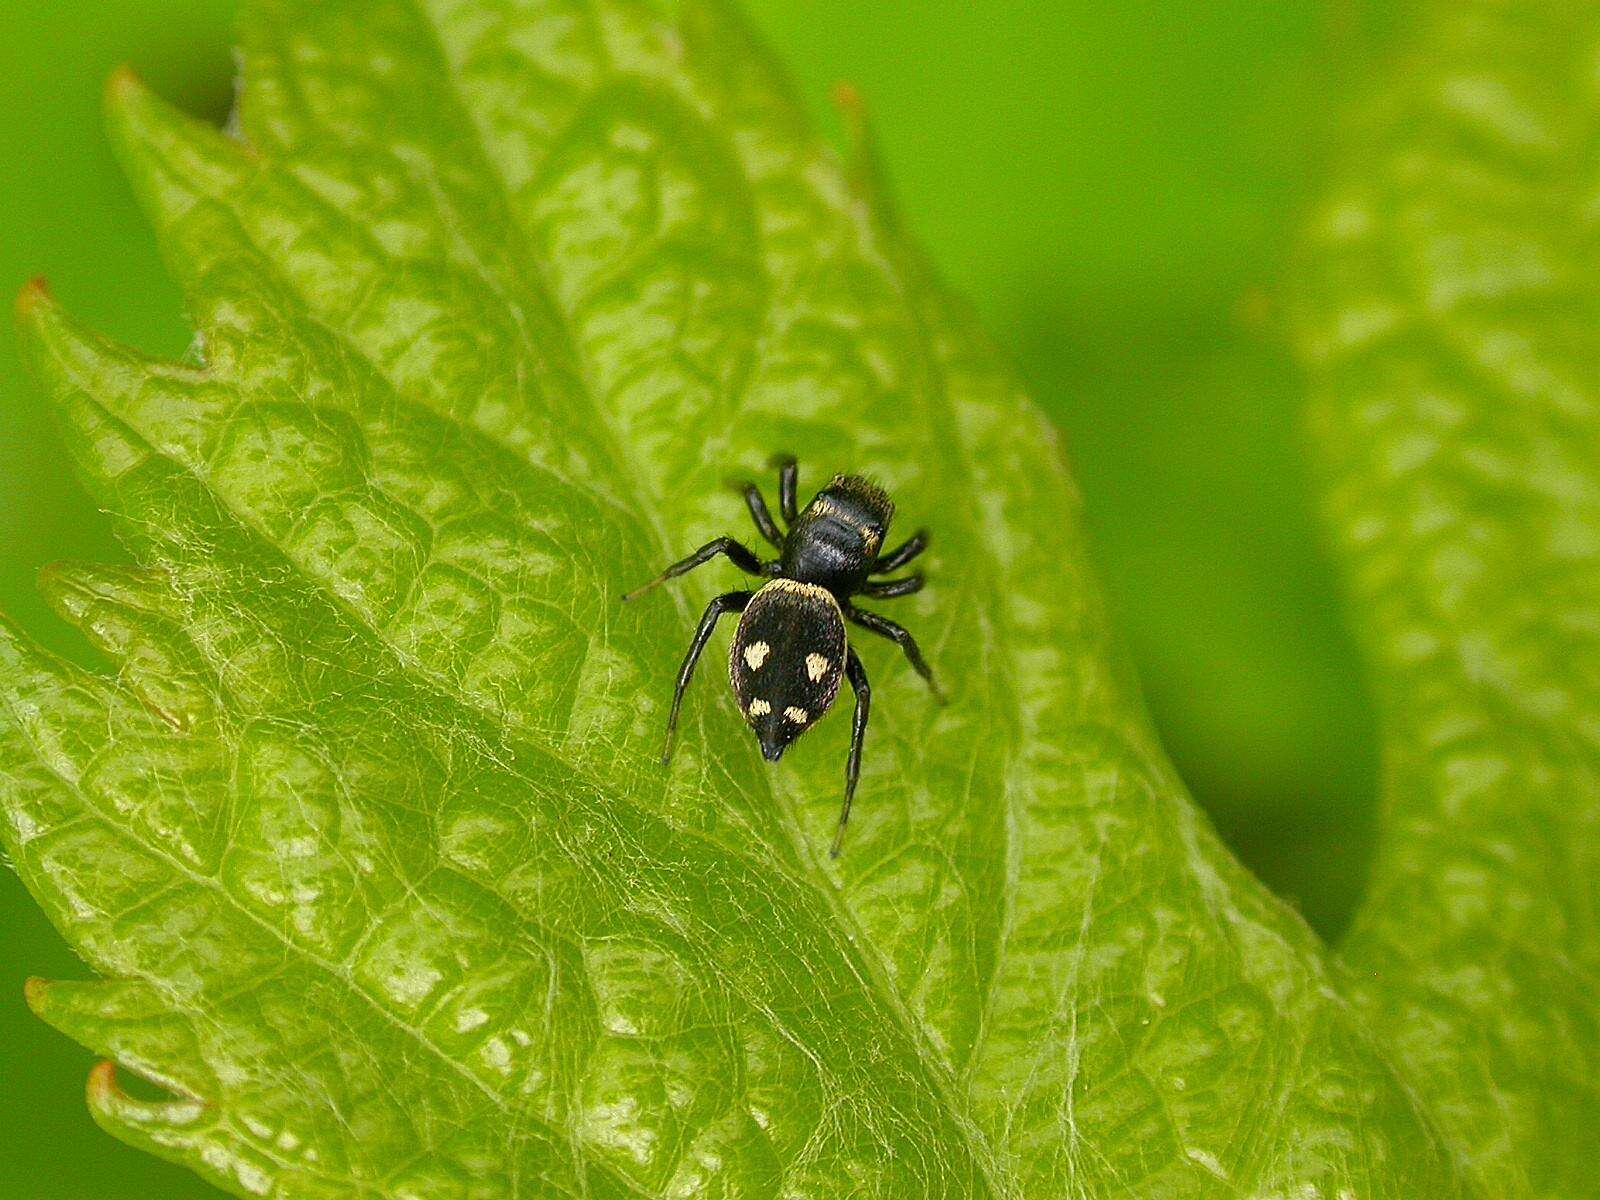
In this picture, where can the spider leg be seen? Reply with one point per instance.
(901, 637)
(757, 504)
(886, 589)
(901, 554)
(857, 675)
(788, 480)
(737, 553)
(726, 603)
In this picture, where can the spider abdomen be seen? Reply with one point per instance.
(786, 661)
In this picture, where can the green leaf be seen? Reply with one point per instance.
(366, 833)
(1450, 323)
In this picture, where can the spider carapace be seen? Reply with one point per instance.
(790, 652)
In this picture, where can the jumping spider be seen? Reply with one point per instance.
(790, 652)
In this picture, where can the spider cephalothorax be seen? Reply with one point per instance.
(790, 652)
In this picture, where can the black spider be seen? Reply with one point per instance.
(789, 652)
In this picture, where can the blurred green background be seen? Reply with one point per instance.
(1114, 184)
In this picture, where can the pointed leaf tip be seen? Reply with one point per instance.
(123, 85)
(54, 344)
(34, 295)
(863, 157)
(65, 588)
(169, 154)
(54, 575)
(37, 309)
(35, 993)
(129, 102)
(115, 1108)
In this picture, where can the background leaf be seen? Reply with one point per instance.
(489, 303)
(1450, 322)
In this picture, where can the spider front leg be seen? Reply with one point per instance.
(788, 482)
(857, 675)
(757, 504)
(901, 554)
(737, 553)
(726, 603)
(900, 636)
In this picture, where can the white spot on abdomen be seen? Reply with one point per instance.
(756, 653)
(798, 715)
(759, 707)
(816, 666)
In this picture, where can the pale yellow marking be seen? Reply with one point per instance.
(798, 715)
(871, 538)
(759, 707)
(756, 654)
(816, 666)
(804, 589)
(794, 585)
